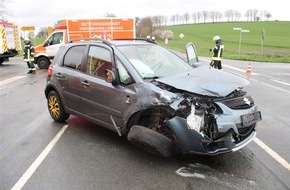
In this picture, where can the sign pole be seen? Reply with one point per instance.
(240, 41)
(262, 42)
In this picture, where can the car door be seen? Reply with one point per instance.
(68, 77)
(191, 55)
(103, 102)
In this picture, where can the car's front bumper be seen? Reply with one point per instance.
(193, 142)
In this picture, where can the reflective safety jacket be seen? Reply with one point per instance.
(217, 52)
(28, 53)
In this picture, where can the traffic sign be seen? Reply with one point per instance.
(27, 28)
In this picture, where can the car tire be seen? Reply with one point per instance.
(1, 60)
(150, 141)
(55, 107)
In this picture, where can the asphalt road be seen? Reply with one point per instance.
(38, 153)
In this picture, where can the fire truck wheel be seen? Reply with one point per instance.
(43, 62)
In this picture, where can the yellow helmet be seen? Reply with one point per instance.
(215, 38)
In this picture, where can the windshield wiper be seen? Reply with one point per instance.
(153, 78)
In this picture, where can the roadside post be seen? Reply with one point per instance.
(181, 35)
(240, 41)
(262, 42)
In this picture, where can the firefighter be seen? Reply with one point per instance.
(28, 56)
(216, 60)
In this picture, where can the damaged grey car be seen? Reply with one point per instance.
(163, 103)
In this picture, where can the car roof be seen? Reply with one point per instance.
(115, 42)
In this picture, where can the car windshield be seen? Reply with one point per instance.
(152, 61)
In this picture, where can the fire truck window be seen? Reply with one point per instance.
(56, 38)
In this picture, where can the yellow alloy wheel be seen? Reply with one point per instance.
(54, 106)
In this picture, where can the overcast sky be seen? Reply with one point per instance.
(43, 13)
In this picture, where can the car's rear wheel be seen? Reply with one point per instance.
(150, 141)
(55, 107)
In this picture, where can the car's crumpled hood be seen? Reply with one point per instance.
(205, 80)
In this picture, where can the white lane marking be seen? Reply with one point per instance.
(10, 80)
(233, 68)
(25, 177)
(272, 153)
(275, 87)
(241, 70)
(281, 82)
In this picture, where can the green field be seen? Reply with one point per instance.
(276, 45)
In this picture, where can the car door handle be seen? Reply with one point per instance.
(58, 74)
(85, 83)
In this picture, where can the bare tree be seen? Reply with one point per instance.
(186, 17)
(237, 15)
(229, 14)
(264, 15)
(219, 16)
(4, 11)
(251, 14)
(172, 19)
(215, 16)
(145, 27)
(177, 17)
(205, 15)
(109, 15)
(194, 17)
(255, 13)
(156, 21)
(43, 32)
(199, 16)
(212, 15)
(268, 16)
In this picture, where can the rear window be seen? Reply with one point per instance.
(73, 57)
(57, 60)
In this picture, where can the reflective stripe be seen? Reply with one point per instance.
(218, 58)
(3, 36)
(220, 50)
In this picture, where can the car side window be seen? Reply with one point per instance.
(73, 57)
(99, 59)
(124, 76)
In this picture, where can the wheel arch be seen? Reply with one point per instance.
(146, 116)
(50, 88)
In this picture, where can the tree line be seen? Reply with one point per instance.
(211, 16)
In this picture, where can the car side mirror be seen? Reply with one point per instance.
(110, 77)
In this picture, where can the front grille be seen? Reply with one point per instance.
(239, 103)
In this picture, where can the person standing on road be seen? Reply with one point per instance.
(216, 60)
(28, 56)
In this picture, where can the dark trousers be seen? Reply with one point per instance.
(31, 67)
(216, 64)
